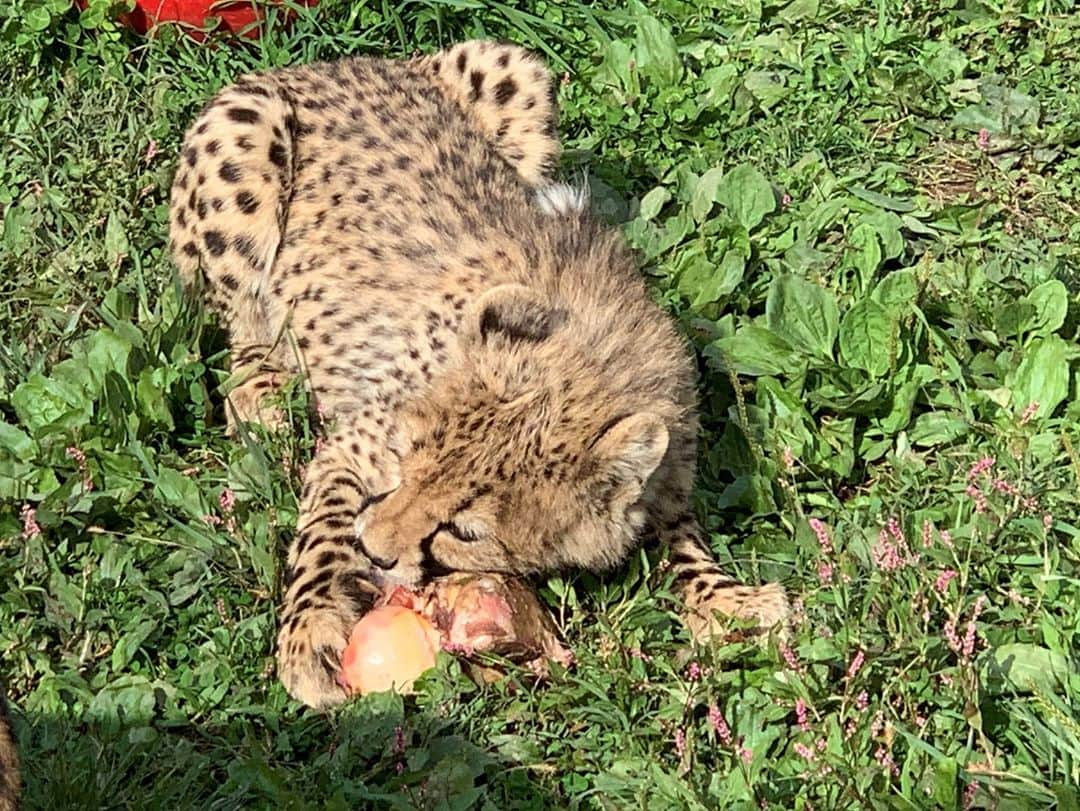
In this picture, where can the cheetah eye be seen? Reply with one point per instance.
(463, 534)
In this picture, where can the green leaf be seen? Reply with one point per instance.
(936, 428)
(897, 292)
(41, 401)
(1025, 668)
(652, 202)
(1050, 302)
(657, 53)
(116, 241)
(865, 337)
(747, 195)
(17, 443)
(704, 195)
(803, 314)
(882, 201)
(866, 251)
(37, 19)
(177, 490)
(721, 279)
(945, 782)
(1043, 376)
(755, 351)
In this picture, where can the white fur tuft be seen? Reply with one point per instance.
(562, 199)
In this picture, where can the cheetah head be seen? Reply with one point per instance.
(518, 461)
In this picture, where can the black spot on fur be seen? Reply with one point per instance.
(503, 60)
(215, 242)
(278, 156)
(505, 90)
(230, 281)
(461, 62)
(476, 79)
(247, 202)
(243, 115)
(191, 154)
(213, 147)
(191, 249)
(229, 172)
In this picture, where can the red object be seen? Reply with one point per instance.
(240, 17)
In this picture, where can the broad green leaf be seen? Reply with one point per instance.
(866, 251)
(755, 351)
(897, 292)
(1043, 376)
(652, 202)
(116, 241)
(747, 195)
(866, 336)
(107, 352)
(701, 201)
(17, 443)
(936, 428)
(1025, 668)
(798, 10)
(1050, 302)
(803, 314)
(40, 401)
(723, 279)
(881, 200)
(177, 490)
(657, 53)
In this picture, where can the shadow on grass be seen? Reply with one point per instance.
(374, 753)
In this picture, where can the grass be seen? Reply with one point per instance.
(864, 218)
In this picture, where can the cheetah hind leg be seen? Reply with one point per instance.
(509, 94)
(251, 390)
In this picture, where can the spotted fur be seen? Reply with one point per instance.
(506, 395)
(9, 762)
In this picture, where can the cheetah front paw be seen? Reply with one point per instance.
(309, 657)
(708, 617)
(251, 402)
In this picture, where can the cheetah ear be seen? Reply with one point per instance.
(513, 313)
(629, 448)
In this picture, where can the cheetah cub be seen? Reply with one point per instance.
(507, 397)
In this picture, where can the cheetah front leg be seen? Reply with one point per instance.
(330, 583)
(709, 594)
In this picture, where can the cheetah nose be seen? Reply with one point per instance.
(382, 563)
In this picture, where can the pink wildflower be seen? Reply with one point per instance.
(789, 459)
(189, 471)
(970, 635)
(1008, 488)
(862, 701)
(785, 200)
(981, 467)
(884, 757)
(887, 555)
(747, 755)
(84, 470)
(1048, 521)
(943, 580)
(978, 497)
(151, 151)
(693, 672)
(804, 751)
(946, 538)
(825, 573)
(1029, 412)
(638, 653)
(212, 520)
(856, 664)
(399, 740)
(983, 141)
(822, 533)
(790, 657)
(970, 790)
(719, 725)
(680, 742)
(927, 535)
(29, 522)
(800, 715)
(227, 500)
